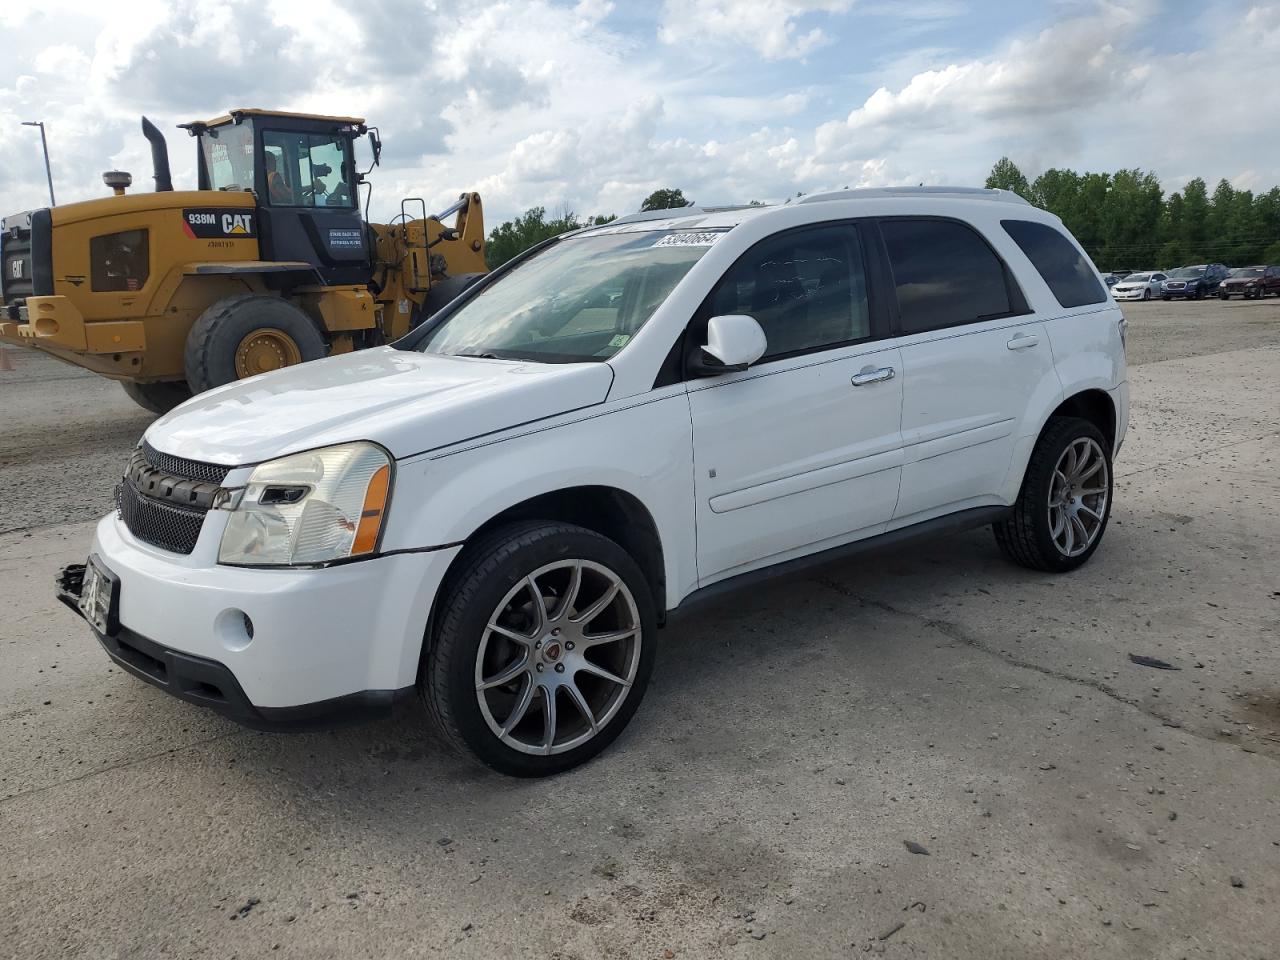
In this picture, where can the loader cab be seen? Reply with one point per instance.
(302, 170)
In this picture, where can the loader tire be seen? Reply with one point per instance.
(442, 293)
(157, 397)
(246, 335)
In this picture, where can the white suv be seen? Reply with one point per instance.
(500, 510)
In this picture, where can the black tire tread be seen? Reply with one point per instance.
(482, 560)
(1016, 535)
(159, 397)
(198, 348)
(483, 557)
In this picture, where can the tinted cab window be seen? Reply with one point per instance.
(946, 274)
(807, 289)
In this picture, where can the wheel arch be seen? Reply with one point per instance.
(1094, 405)
(609, 511)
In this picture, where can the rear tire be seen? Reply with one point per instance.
(530, 719)
(245, 335)
(157, 397)
(1063, 507)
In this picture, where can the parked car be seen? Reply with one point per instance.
(499, 510)
(1250, 283)
(1139, 286)
(1193, 283)
(1111, 279)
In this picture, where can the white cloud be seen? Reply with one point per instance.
(557, 104)
(772, 27)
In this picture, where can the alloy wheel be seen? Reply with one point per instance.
(558, 657)
(1078, 497)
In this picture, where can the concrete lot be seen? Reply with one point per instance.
(1072, 803)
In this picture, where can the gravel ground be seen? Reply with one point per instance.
(1071, 802)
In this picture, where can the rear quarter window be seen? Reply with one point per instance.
(1068, 274)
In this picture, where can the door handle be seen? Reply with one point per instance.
(871, 375)
(1022, 341)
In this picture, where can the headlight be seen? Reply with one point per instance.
(1223, 283)
(309, 508)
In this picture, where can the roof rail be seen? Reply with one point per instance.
(957, 193)
(673, 213)
(666, 214)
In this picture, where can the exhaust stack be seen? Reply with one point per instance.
(159, 156)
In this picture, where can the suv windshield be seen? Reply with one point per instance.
(1187, 273)
(1247, 272)
(581, 299)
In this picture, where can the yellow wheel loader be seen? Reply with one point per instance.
(269, 263)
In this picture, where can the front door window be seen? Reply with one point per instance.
(308, 170)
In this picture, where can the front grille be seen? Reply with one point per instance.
(182, 467)
(26, 258)
(159, 523)
(163, 499)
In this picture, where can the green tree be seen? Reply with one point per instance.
(1130, 220)
(665, 199)
(1195, 220)
(1266, 225)
(1221, 222)
(530, 228)
(1005, 175)
(1172, 252)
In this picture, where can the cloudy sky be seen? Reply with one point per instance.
(590, 104)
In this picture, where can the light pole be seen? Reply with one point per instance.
(48, 172)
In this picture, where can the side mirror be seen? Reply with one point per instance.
(375, 143)
(734, 342)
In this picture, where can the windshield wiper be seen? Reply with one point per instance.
(478, 356)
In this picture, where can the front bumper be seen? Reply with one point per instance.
(1180, 292)
(1127, 294)
(326, 644)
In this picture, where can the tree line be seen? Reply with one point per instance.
(1125, 221)
(533, 226)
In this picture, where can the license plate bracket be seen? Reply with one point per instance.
(100, 597)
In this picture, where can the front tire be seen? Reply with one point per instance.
(245, 335)
(157, 397)
(543, 647)
(1062, 509)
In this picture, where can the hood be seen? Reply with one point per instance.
(409, 402)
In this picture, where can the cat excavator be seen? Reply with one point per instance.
(268, 263)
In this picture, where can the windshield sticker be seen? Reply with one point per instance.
(620, 340)
(689, 239)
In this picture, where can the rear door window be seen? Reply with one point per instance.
(945, 275)
(1068, 274)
